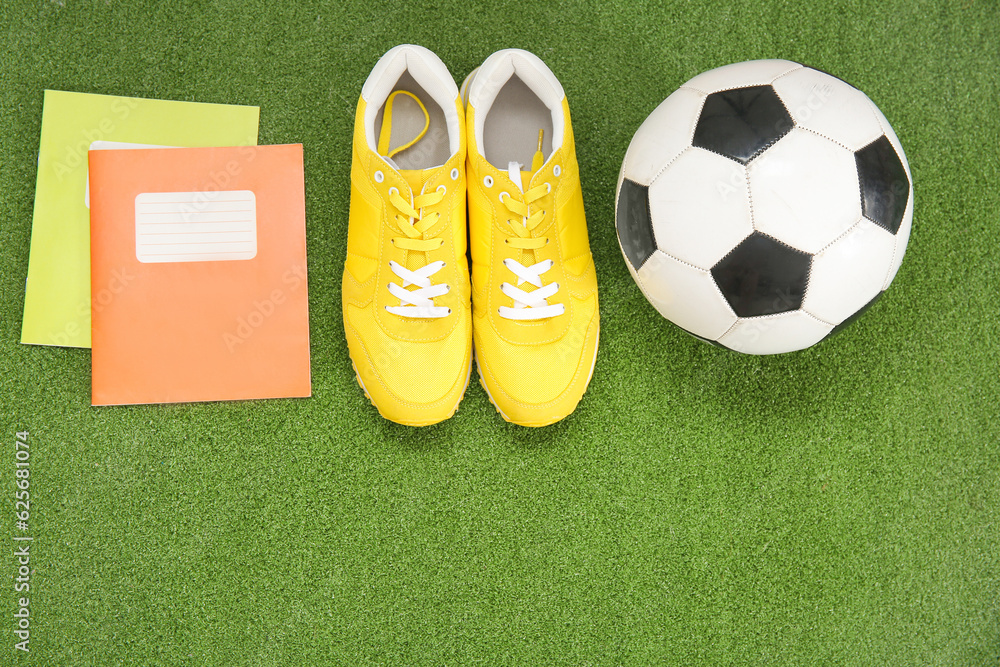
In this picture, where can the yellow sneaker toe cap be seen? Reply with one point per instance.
(411, 383)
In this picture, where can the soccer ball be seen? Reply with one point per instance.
(764, 206)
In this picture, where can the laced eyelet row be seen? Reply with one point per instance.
(449, 310)
(380, 177)
(507, 241)
(487, 180)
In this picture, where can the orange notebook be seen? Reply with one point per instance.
(198, 274)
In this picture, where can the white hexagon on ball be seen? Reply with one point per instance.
(671, 286)
(774, 334)
(700, 207)
(902, 239)
(849, 273)
(828, 106)
(670, 128)
(804, 191)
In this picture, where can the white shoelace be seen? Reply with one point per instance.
(531, 305)
(419, 300)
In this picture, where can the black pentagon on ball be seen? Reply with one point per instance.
(702, 339)
(635, 228)
(762, 276)
(858, 313)
(741, 123)
(885, 188)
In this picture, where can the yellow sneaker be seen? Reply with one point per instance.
(407, 315)
(536, 319)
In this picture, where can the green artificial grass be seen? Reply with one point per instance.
(840, 505)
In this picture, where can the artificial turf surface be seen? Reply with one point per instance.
(839, 505)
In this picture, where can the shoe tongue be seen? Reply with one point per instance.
(415, 178)
(519, 176)
(514, 171)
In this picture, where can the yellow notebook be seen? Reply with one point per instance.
(57, 293)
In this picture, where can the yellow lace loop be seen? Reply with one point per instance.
(538, 158)
(528, 221)
(386, 132)
(411, 223)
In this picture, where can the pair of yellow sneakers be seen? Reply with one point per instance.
(424, 155)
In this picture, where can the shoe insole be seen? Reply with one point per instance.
(408, 121)
(510, 131)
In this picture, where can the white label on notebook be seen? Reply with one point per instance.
(195, 226)
(109, 146)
